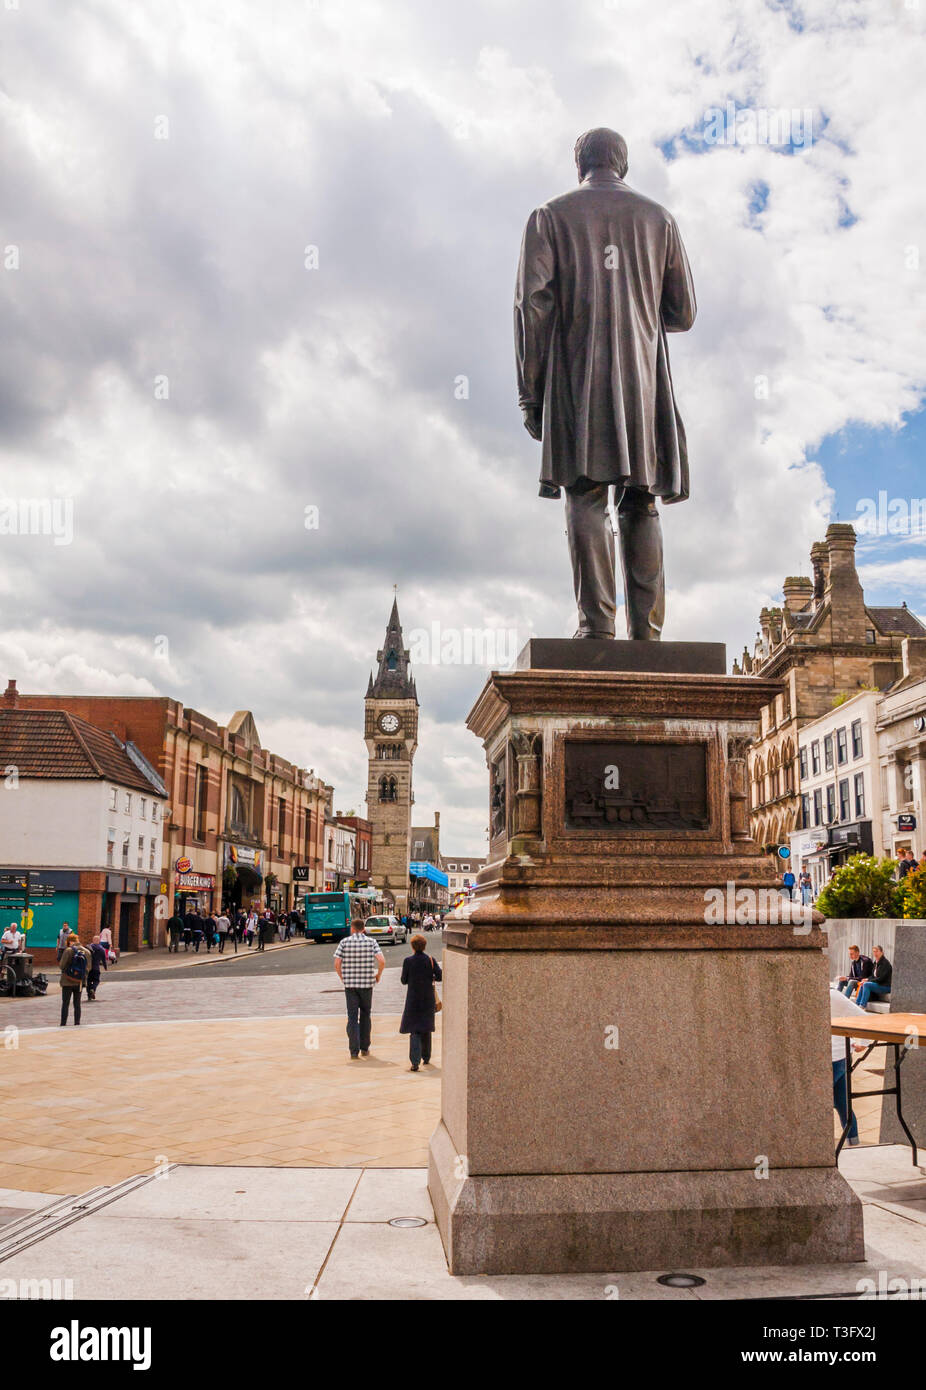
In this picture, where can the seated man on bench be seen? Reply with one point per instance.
(860, 969)
(880, 983)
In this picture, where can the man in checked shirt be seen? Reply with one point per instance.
(360, 965)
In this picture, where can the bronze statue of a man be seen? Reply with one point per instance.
(603, 277)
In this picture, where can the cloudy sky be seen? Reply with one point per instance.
(181, 371)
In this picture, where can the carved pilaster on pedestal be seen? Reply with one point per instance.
(528, 797)
(738, 787)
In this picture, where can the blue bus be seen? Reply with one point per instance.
(327, 915)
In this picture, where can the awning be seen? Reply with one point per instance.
(419, 869)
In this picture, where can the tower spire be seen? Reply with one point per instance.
(393, 677)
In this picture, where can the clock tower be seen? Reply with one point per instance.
(391, 736)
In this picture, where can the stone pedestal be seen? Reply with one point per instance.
(636, 1060)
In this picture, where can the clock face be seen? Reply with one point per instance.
(389, 723)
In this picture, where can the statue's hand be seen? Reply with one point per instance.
(533, 421)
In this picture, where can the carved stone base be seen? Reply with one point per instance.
(635, 1032)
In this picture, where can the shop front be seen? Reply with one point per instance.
(193, 889)
(428, 887)
(242, 876)
(842, 841)
(39, 901)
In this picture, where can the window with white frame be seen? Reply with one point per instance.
(143, 808)
(113, 798)
(860, 796)
(110, 847)
(141, 852)
(152, 856)
(126, 846)
(127, 807)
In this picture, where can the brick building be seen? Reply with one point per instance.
(825, 644)
(241, 819)
(81, 829)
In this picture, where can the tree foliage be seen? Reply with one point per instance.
(914, 894)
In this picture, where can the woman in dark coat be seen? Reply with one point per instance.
(419, 973)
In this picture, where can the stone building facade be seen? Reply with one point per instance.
(902, 756)
(391, 737)
(824, 642)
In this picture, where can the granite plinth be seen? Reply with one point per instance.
(587, 1223)
(635, 1033)
(597, 654)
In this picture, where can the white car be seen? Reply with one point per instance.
(389, 930)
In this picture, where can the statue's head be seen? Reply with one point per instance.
(601, 149)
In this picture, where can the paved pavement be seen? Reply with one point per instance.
(244, 1233)
(96, 1105)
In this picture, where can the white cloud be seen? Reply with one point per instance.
(409, 143)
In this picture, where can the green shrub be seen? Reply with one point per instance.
(862, 887)
(914, 894)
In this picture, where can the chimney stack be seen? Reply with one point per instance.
(11, 696)
(798, 592)
(843, 589)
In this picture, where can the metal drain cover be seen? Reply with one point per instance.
(680, 1281)
(408, 1221)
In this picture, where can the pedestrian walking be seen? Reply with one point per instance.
(420, 972)
(106, 941)
(787, 884)
(264, 931)
(359, 963)
(98, 962)
(63, 937)
(209, 931)
(222, 927)
(806, 886)
(75, 967)
(174, 932)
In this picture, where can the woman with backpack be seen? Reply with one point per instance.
(75, 967)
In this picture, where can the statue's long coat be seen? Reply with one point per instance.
(603, 277)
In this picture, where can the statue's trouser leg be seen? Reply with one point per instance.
(641, 558)
(591, 549)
